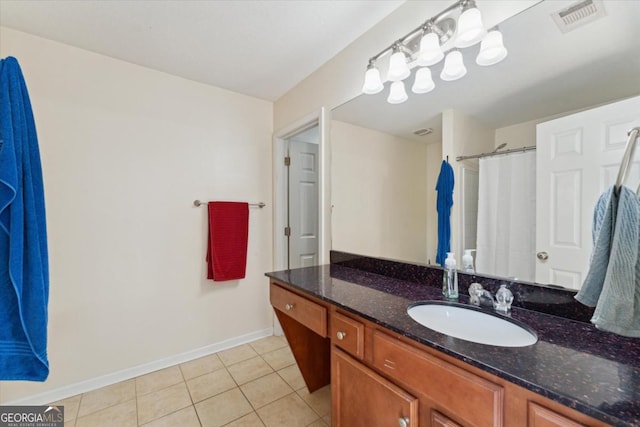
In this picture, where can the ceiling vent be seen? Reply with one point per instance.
(578, 14)
(423, 131)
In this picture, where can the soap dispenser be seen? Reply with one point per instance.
(467, 262)
(450, 278)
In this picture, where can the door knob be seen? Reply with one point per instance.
(403, 422)
(341, 335)
(542, 256)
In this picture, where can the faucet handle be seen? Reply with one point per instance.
(504, 298)
(475, 290)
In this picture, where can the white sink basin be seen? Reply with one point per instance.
(472, 324)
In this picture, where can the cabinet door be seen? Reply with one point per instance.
(539, 416)
(362, 398)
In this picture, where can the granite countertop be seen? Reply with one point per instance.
(573, 363)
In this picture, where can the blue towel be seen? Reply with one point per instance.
(604, 217)
(444, 187)
(613, 281)
(24, 268)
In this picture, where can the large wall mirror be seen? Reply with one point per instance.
(386, 158)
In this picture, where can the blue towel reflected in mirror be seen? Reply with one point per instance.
(444, 188)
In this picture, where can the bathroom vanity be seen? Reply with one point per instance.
(350, 327)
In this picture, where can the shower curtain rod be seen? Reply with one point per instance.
(495, 153)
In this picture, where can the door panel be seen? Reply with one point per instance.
(303, 204)
(578, 157)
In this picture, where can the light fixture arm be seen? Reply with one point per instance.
(467, 4)
(419, 30)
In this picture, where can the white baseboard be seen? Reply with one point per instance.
(126, 374)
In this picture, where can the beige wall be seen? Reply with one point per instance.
(379, 193)
(434, 160)
(125, 151)
(519, 135)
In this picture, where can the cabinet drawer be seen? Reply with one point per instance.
(539, 416)
(348, 334)
(472, 399)
(308, 313)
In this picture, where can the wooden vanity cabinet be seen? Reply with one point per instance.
(446, 395)
(381, 378)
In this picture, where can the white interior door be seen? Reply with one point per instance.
(303, 203)
(578, 157)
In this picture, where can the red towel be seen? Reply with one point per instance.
(227, 243)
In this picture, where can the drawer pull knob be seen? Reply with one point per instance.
(341, 335)
(403, 422)
(288, 307)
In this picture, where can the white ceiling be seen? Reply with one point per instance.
(258, 48)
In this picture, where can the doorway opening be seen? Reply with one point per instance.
(301, 196)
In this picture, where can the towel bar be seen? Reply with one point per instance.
(627, 158)
(198, 203)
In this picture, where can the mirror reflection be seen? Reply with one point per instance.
(386, 158)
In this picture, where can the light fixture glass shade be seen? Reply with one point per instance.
(492, 49)
(397, 94)
(430, 50)
(453, 66)
(372, 82)
(398, 68)
(423, 82)
(470, 28)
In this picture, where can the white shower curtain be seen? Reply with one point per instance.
(507, 216)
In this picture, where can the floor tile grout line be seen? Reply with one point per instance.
(193, 404)
(137, 411)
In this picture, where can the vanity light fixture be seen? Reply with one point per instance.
(397, 94)
(470, 28)
(492, 49)
(454, 68)
(398, 67)
(423, 82)
(372, 82)
(430, 50)
(409, 51)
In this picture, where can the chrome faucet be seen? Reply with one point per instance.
(483, 298)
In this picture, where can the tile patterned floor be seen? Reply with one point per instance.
(256, 384)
